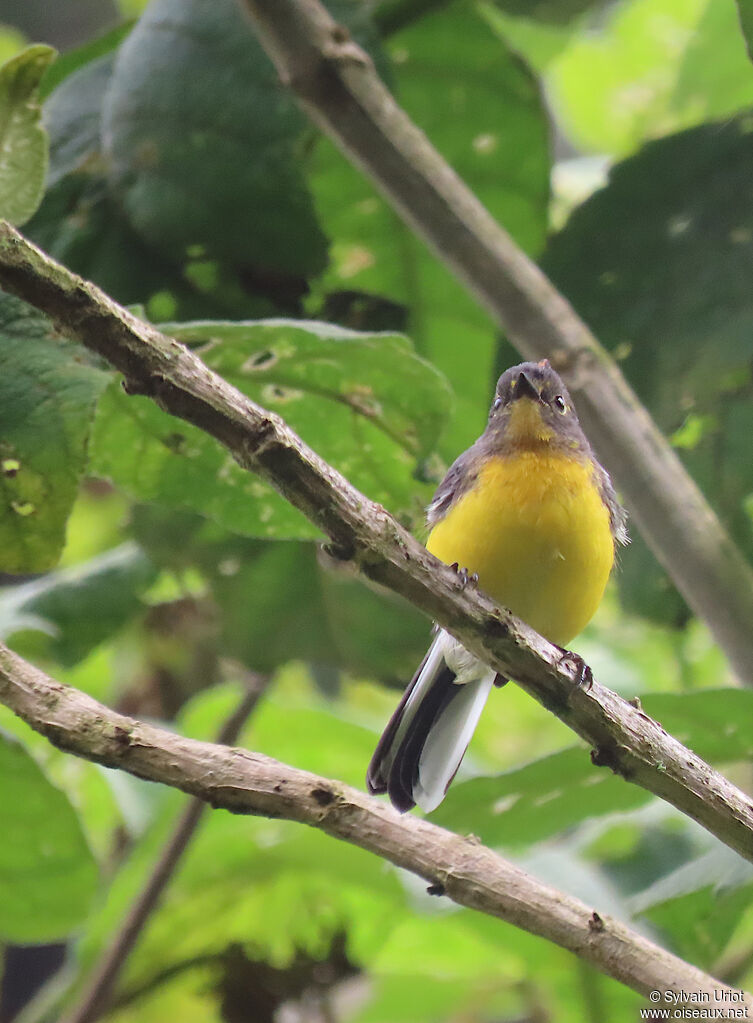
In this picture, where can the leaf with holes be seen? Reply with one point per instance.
(48, 391)
(365, 402)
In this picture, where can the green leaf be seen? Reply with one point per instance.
(538, 42)
(648, 68)
(670, 297)
(88, 787)
(716, 723)
(77, 608)
(203, 146)
(481, 108)
(261, 586)
(745, 12)
(23, 141)
(414, 998)
(534, 802)
(339, 621)
(543, 798)
(86, 224)
(313, 735)
(48, 876)
(269, 885)
(48, 392)
(699, 905)
(82, 225)
(364, 402)
(556, 12)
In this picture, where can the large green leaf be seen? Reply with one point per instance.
(203, 143)
(543, 798)
(700, 903)
(23, 141)
(82, 224)
(89, 788)
(365, 402)
(482, 110)
(48, 392)
(83, 221)
(76, 608)
(205, 149)
(47, 873)
(658, 263)
(716, 723)
(339, 622)
(536, 801)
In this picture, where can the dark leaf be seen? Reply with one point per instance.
(658, 264)
(76, 608)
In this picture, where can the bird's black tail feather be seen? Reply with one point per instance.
(394, 767)
(425, 740)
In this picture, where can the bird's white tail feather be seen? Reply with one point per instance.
(423, 744)
(448, 740)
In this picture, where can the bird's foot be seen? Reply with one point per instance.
(466, 579)
(583, 675)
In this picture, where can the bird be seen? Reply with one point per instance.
(533, 519)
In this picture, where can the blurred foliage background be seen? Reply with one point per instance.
(614, 139)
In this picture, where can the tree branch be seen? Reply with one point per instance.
(337, 85)
(244, 782)
(623, 738)
(97, 994)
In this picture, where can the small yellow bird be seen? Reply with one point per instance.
(530, 511)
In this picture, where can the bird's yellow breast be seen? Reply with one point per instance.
(535, 529)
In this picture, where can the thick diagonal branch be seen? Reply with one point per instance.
(244, 782)
(337, 85)
(624, 738)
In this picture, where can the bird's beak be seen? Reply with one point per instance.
(525, 388)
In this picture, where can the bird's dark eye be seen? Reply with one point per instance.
(559, 403)
(497, 403)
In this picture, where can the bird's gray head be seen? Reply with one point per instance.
(532, 407)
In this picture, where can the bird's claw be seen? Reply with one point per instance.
(466, 579)
(583, 675)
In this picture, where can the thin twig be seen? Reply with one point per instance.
(97, 994)
(624, 738)
(336, 84)
(243, 782)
